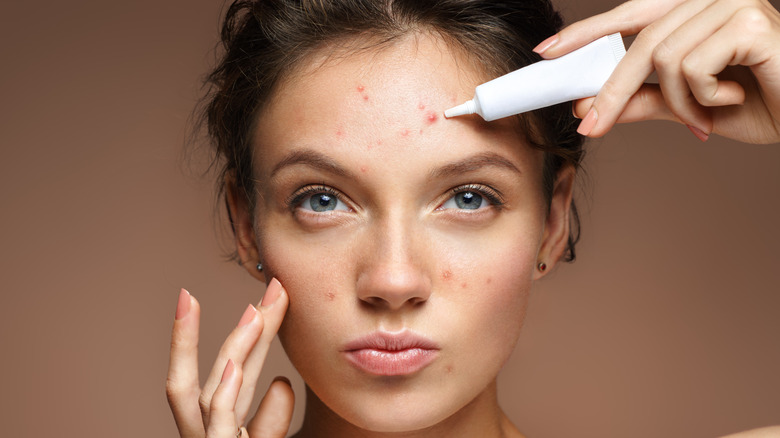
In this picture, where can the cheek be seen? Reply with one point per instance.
(313, 273)
(494, 284)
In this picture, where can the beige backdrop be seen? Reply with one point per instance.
(667, 324)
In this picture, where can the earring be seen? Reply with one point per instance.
(542, 266)
(260, 267)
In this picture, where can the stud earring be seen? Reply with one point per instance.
(542, 266)
(259, 266)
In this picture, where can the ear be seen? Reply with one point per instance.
(243, 232)
(556, 226)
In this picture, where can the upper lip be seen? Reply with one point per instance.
(386, 341)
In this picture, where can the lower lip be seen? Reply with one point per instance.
(391, 363)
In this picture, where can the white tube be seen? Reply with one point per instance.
(575, 75)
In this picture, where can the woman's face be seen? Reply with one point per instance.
(407, 242)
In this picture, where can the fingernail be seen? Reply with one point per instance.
(272, 293)
(248, 316)
(546, 44)
(183, 306)
(282, 379)
(701, 135)
(589, 122)
(228, 370)
(574, 111)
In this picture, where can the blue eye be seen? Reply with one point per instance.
(321, 201)
(465, 201)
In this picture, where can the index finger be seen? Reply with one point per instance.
(629, 19)
(182, 386)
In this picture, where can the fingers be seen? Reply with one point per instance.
(639, 62)
(646, 104)
(182, 387)
(272, 307)
(275, 411)
(738, 41)
(236, 348)
(629, 19)
(222, 416)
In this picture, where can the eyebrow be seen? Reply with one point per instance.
(474, 163)
(313, 159)
(320, 161)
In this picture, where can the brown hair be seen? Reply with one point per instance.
(264, 40)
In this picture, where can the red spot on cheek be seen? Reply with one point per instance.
(446, 274)
(463, 285)
(331, 296)
(421, 106)
(405, 133)
(431, 117)
(489, 280)
(365, 97)
(364, 169)
(449, 369)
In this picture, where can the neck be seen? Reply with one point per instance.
(482, 417)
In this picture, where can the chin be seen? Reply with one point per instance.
(395, 411)
(403, 417)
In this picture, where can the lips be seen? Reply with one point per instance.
(391, 354)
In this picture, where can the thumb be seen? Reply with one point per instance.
(646, 104)
(275, 411)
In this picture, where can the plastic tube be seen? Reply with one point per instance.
(577, 74)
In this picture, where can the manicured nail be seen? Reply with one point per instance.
(589, 122)
(574, 111)
(228, 370)
(546, 44)
(701, 135)
(183, 306)
(272, 293)
(248, 316)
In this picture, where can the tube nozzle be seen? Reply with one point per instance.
(461, 110)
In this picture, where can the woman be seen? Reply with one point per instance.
(399, 247)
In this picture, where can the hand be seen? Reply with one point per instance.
(718, 66)
(222, 405)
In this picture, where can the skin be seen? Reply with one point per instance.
(395, 258)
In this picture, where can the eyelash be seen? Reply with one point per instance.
(295, 200)
(491, 194)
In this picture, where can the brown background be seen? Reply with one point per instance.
(667, 325)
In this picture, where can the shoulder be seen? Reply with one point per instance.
(764, 432)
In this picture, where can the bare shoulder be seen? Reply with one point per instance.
(764, 432)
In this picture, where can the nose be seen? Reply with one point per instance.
(393, 273)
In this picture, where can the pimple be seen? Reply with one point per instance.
(463, 285)
(331, 296)
(449, 369)
(364, 169)
(421, 106)
(446, 274)
(431, 117)
(405, 133)
(365, 97)
(489, 280)
(361, 88)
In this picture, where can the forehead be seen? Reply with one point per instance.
(386, 101)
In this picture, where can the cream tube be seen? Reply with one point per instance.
(575, 75)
